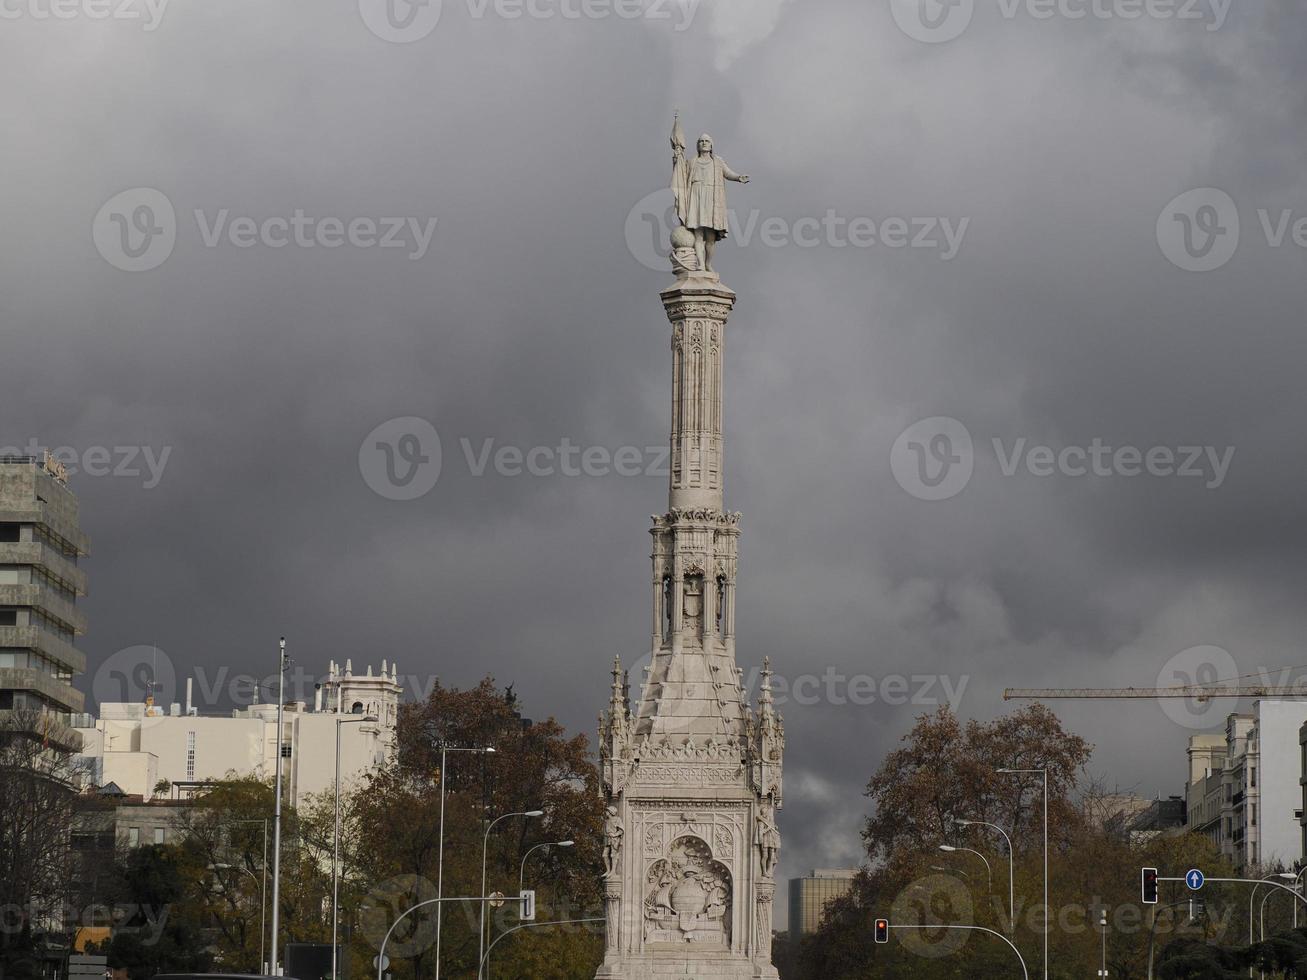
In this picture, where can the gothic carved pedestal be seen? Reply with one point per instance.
(692, 771)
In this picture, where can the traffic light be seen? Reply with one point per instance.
(882, 930)
(1150, 886)
(528, 905)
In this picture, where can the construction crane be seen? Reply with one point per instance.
(1201, 693)
(1198, 692)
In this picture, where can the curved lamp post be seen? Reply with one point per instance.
(485, 844)
(948, 849)
(440, 860)
(521, 875)
(1044, 773)
(1011, 878)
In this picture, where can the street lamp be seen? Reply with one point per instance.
(521, 876)
(440, 860)
(485, 844)
(1282, 876)
(335, 842)
(1011, 886)
(1297, 884)
(283, 662)
(947, 849)
(1044, 774)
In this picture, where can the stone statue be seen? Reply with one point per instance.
(699, 191)
(613, 834)
(769, 841)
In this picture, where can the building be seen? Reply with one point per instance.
(1245, 788)
(41, 543)
(691, 772)
(148, 752)
(1204, 793)
(810, 895)
(1160, 818)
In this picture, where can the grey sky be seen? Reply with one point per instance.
(528, 320)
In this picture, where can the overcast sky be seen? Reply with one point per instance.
(1067, 310)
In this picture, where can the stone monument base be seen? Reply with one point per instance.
(701, 965)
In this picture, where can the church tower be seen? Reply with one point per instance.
(692, 773)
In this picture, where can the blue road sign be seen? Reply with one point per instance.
(1194, 879)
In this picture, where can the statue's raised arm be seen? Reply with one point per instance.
(699, 193)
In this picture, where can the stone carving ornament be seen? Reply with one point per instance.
(613, 834)
(688, 896)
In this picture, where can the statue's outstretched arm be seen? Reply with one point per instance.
(730, 174)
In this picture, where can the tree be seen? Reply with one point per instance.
(159, 932)
(37, 790)
(393, 836)
(947, 772)
(222, 852)
(944, 773)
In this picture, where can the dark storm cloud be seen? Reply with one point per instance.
(527, 322)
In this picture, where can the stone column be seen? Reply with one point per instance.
(698, 307)
(766, 893)
(613, 910)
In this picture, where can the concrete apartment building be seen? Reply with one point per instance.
(41, 542)
(810, 895)
(138, 746)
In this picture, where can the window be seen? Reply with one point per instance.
(8, 531)
(667, 607)
(158, 835)
(721, 606)
(190, 756)
(1252, 777)
(8, 617)
(133, 836)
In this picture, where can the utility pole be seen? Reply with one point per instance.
(276, 812)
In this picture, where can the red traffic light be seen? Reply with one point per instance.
(1150, 886)
(882, 930)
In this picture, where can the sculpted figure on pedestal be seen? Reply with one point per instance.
(699, 190)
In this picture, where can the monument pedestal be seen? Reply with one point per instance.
(692, 773)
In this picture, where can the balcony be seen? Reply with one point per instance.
(47, 600)
(31, 638)
(43, 556)
(39, 682)
(50, 726)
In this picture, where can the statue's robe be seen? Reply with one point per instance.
(699, 190)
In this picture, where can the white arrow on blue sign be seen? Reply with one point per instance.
(1194, 879)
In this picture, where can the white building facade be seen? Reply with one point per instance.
(141, 746)
(1245, 786)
